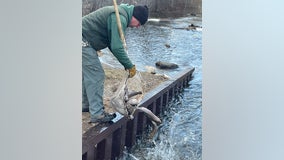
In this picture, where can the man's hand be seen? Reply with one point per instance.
(132, 71)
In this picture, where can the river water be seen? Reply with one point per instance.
(180, 135)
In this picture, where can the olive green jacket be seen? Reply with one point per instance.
(100, 29)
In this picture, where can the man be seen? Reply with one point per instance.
(100, 30)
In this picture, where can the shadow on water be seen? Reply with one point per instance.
(179, 136)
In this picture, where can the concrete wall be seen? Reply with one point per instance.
(158, 8)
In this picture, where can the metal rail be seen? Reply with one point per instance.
(107, 141)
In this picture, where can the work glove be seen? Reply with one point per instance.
(132, 71)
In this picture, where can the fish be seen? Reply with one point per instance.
(126, 103)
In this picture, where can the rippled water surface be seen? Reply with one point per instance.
(180, 136)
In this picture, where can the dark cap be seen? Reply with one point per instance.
(141, 14)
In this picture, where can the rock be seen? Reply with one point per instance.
(150, 69)
(192, 27)
(166, 65)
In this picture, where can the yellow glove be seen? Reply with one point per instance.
(132, 71)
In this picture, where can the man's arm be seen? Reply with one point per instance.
(116, 45)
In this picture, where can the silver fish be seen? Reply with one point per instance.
(126, 103)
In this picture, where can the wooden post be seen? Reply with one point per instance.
(119, 25)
